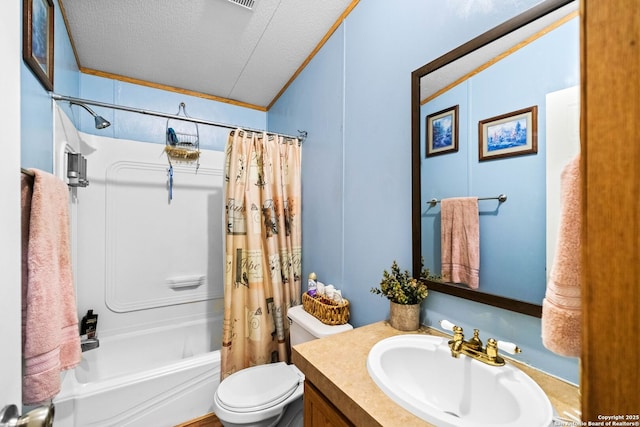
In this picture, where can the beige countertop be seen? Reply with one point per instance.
(336, 365)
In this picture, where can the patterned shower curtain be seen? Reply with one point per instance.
(263, 248)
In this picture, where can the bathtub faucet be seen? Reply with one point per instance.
(87, 344)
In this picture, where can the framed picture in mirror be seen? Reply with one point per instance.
(37, 39)
(511, 134)
(442, 132)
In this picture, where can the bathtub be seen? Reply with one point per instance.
(158, 377)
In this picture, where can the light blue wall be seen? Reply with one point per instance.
(36, 105)
(314, 103)
(514, 232)
(354, 99)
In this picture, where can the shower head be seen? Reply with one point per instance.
(101, 122)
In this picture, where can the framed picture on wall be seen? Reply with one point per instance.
(37, 39)
(511, 134)
(442, 132)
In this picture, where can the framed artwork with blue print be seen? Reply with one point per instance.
(442, 132)
(37, 39)
(511, 134)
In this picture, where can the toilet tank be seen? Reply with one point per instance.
(304, 327)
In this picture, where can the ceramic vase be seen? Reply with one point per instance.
(404, 317)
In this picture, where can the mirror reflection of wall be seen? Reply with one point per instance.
(512, 234)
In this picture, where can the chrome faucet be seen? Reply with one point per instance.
(473, 348)
(87, 344)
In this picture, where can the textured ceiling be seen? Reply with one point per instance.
(213, 47)
(474, 62)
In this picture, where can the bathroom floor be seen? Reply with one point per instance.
(209, 420)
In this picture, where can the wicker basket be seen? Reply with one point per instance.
(337, 314)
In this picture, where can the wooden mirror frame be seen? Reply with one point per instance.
(484, 39)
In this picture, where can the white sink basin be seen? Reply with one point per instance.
(418, 373)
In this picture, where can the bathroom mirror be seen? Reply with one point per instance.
(478, 82)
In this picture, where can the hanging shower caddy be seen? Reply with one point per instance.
(182, 143)
(182, 139)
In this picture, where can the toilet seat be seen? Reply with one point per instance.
(259, 387)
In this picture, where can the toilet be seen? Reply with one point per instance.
(271, 395)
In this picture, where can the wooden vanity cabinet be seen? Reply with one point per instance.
(319, 412)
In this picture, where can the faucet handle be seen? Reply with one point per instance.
(509, 347)
(445, 324)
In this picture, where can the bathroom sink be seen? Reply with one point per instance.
(419, 374)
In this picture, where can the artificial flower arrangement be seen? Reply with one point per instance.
(401, 288)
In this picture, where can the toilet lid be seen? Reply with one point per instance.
(258, 387)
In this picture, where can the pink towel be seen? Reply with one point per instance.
(460, 238)
(561, 307)
(50, 337)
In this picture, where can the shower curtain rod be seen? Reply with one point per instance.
(301, 136)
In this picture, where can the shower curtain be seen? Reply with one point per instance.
(263, 248)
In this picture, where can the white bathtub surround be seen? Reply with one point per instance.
(129, 244)
(157, 377)
(142, 261)
(152, 271)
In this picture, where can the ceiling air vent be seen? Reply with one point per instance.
(244, 3)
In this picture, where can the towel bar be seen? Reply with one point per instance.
(501, 198)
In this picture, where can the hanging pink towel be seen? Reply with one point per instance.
(460, 238)
(561, 307)
(50, 337)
